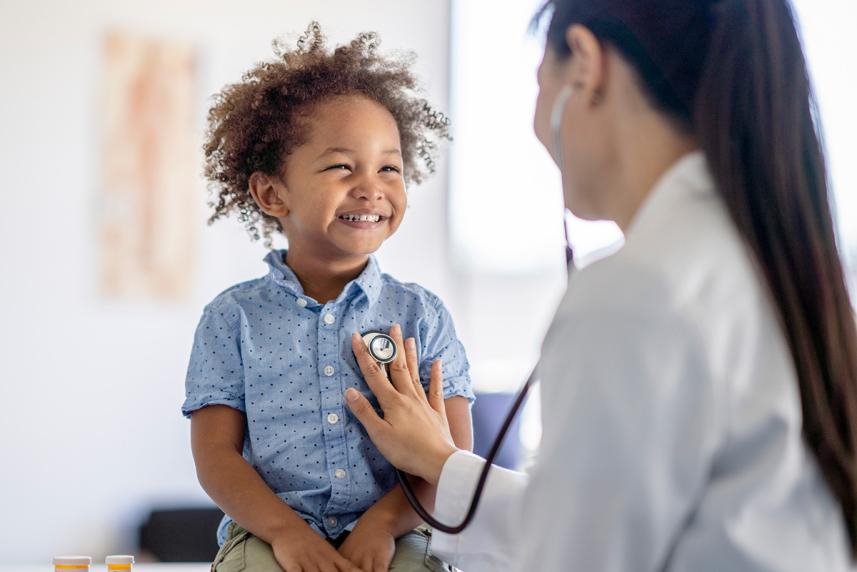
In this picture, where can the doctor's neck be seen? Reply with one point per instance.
(648, 144)
(641, 169)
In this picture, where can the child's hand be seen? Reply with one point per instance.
(369, 547)
(302, 550)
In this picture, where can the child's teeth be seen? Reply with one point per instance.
(362, 218)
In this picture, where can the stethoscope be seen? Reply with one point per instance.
(383, 349)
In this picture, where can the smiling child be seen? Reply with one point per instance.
(318, 145)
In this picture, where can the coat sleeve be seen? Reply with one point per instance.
(486, 543)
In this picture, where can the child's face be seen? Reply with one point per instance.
(349, 167)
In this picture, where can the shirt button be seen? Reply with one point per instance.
(329, 319)
(333, 419)
(339, 473)
(328, 370)
(331, 521)
(301, 302)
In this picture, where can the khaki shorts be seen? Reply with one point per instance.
(243, 552)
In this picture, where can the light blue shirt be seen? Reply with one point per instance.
(284, 360)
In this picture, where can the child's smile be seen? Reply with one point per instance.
(363, 219)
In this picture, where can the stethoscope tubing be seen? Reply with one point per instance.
(483, 475)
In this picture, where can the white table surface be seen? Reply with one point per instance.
(48, 567)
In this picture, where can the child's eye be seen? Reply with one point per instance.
(391, 169)
(339, 166)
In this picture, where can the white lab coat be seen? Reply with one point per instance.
(671, 419)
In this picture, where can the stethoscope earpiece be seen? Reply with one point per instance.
(557, 112)
(381, 347)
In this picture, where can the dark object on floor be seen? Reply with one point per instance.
(181, 534)
(489, 412)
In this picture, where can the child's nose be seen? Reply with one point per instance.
(367, 188)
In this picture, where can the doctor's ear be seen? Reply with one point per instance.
(587, 66)
(268, 191)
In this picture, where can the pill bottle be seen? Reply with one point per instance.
(119, 563)
(72, 563)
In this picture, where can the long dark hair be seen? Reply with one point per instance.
(733, 73)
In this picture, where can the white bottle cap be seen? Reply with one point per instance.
(119, 559)
(72, 560)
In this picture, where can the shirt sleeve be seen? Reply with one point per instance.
(439, 341)
(215, 374)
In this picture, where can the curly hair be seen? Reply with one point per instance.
(254, 124)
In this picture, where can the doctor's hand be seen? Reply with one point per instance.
(414, 433)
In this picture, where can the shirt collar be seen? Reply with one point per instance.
(369, 281)
(688, 177)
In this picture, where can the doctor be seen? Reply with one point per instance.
(699, 387)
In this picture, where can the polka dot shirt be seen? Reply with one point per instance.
(284, 360)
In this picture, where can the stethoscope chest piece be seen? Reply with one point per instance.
(381, 347)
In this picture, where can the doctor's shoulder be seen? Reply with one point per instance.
(615, 284)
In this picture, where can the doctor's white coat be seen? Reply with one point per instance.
(671, 419)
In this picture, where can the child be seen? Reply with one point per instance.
(317, 145)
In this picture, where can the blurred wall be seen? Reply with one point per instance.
(91, 429)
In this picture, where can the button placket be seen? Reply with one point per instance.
(330, 320)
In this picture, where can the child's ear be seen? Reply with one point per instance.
(267, 191)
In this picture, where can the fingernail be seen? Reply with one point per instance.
(351, 394)
(412, 343)
(396, 328)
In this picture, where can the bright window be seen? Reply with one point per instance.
(506, 202)
(505, 206)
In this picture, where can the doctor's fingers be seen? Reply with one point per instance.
(365, 414)
(373, 372)
(435, 391)
(414, 366)
(399, 369)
